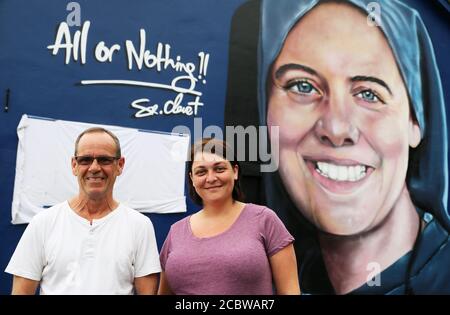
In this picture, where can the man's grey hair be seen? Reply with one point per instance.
(96, 130)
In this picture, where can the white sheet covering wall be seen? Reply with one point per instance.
(152, 180)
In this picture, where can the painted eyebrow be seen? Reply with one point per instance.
(371, 79)
(294, 66)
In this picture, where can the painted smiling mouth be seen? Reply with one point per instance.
(341, 173)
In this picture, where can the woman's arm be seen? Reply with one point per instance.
(164, 288)
(284, 271)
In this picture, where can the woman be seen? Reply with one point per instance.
(362, 145)
(228, 247)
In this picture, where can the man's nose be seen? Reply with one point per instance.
(335, 127)
(94, 166)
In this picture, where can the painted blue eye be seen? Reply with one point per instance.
(368, 96)
(302, 87)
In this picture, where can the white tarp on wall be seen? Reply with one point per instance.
(152, 180)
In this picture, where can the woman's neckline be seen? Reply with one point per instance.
(231, 227)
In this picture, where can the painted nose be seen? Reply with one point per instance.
(335, 127)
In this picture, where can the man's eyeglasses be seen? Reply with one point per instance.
(102, 159)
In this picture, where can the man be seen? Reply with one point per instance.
(90, 244)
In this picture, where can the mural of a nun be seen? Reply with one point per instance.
(362, 181)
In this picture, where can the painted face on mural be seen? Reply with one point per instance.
(339, 100)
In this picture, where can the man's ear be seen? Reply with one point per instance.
(74, 166)
(120, 164)
(413, 133)
(190, 176)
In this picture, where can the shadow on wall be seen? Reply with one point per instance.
(241, 106)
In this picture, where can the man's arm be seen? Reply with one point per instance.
(146, 285)
(24, 286)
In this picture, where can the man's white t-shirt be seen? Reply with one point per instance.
(68, 255)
